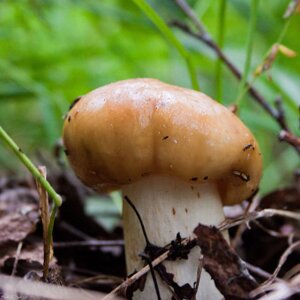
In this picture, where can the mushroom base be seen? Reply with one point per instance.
(167, 206)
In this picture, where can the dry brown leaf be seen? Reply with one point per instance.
(30, 253)
(271, 56)
(18, 213)
(287, 51)
(15, 227)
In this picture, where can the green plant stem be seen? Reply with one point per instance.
(278, 41)
(220, 41)
(31, 167)
(284, 30)
(167, 32)
(250, 39)
(51, 226)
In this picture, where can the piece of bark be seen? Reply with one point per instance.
(228, 271)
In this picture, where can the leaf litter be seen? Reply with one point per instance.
(97, 267)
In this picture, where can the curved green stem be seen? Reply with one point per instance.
(167, 32)
(220, 41)
(50, 226)
(30, 166)
(251, 33)
(284, 30)
(246, 86)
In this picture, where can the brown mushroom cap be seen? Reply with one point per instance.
(121, 132)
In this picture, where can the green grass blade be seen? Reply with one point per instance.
(167, 32)
(30, 166)
(220, 41)
(250, 39)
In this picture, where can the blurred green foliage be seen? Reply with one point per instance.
(53, 51)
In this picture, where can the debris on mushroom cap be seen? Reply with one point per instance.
(118, 133)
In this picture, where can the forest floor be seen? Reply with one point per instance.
(264, 236)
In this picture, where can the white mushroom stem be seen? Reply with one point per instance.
(167, 206)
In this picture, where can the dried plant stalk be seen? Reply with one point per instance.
(44, 210)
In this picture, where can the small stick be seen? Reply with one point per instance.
(258, 271)
(90, 243)
(40, 290)
(268, 283)
(290, 139)
(18, 252)
(190, 13)
(144, 271)
(271, 232)
(252, 204)
(281, 114)
(282, 260)
(223, 226)
(44, 210)
(292, 272)
(199, 271)
(102, 279)
(136, 276)
(268, 212)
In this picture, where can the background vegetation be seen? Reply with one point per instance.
(53, 51)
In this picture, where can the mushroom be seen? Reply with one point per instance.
(178, 155)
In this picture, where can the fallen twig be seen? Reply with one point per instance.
(223, 226)
(199, 271)
(18, 252)
(44, 211)
(136, 276)
(145, 269)
(259, 272)
(281, 290)
(292, 272)
(271, 232)
(13, 285)
(252, 205)
(283, 258)
(281, 114)
(265, 213)
(89, 243)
